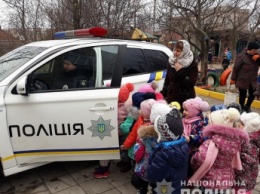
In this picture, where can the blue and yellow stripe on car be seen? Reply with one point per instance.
(94, 151)
(157, 75)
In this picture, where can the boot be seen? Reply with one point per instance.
(101, 172)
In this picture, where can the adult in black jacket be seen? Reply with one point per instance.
(182, 74)
(76, 73)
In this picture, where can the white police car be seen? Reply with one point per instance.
(42, 122)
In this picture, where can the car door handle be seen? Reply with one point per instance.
(105, 108)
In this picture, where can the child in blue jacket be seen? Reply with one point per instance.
(169, 161)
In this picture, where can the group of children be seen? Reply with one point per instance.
(202, 148)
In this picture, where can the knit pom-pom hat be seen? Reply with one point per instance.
(195, 106)
(159, 109)
(225, 117)
(169, 127)
(146, 107)
(124, 92)
(139, 97)
(150, 87)
(251, 121)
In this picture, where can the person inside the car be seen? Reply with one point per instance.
(75, 73)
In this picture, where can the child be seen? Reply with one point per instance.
(218, 155)
(193, 122)
(139, 97)
(123, 102)
(143, 120)
(145, 145)
(159, 109)
(125, 163)
(225, 63)
(169, 161)
(143, 149)
(246, 179)
(151, 88)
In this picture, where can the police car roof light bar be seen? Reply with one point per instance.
(88, 32)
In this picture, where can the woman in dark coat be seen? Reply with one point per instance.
(182, 74)
(244, 75)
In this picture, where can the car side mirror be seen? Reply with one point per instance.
(21, 87)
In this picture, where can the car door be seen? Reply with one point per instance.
(64, 124)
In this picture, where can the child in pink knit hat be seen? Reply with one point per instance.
(194, 122)
(193, 119)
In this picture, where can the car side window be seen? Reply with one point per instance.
(74, 69)
(109, 56)
(157, 60)
(135, 62)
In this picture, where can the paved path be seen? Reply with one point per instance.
(76, 178)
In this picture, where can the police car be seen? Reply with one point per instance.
(41, 123)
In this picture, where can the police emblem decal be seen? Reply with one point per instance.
(101, 128)
(164, 187)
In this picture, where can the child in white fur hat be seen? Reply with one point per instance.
(217, 157)
(246, 179)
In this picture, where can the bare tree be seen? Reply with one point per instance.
(115, 15)
(118, 15)
(27, 19)
(199, 21)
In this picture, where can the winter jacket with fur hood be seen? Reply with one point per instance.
(228, 142)
(147, 140)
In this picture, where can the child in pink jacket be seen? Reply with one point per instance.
(194, 123)
(217, 157)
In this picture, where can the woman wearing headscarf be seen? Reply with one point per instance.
(182, 74)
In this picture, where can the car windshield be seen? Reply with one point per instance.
(16, 58)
